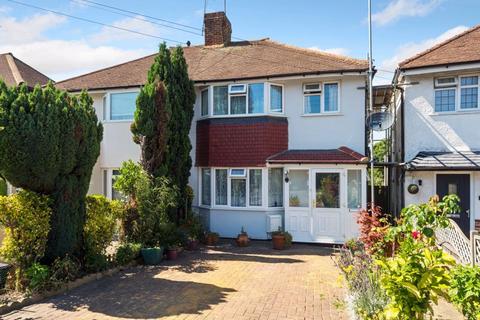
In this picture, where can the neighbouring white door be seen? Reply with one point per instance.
(328, 205)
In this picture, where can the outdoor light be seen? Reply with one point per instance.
(286, 177)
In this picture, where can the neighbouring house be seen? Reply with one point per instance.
(278, 134)
(441, 119)
(15, 72)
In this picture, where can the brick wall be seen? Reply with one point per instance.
(239, 142)
(218, 29)
(477, 225)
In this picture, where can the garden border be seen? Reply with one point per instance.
(35, 298)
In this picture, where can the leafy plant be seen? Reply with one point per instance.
(49, 143)
(374, 227)
(37, 276)
(286, 234)
(171, 236)
(99, 230)
(26, 219)
(465, 290)
(64, 270)
(127, 252)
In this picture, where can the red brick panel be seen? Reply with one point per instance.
(240, 142)
(477, 225)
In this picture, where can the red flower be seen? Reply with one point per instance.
(416, 234)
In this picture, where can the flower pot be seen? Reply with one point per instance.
(192, 245)
(152, 256)
(278, 242)
(211, 239)
(243, 240)
(172, 254)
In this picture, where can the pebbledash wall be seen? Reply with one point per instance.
(427, 130)
(292, 130)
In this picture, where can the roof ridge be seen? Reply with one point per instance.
(106, 68)
(438, 45)
(316, 52)
(14, 68)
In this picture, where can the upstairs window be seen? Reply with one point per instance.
(255, 98)
(220, 100)
(204, 102)
(469, 92)
(445, 100)
(122, 105)
(238, 99)
(276, 98)
(321, 97)
(331, 97)
(312, 96)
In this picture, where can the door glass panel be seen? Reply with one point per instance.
(354, 192)
(452, 188)
(298, 188)
(327, 190)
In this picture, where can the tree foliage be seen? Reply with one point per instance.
(163, 118)
(49, 142)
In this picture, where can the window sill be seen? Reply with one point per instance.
(224, 116)
(117, 121)
(457, 112)
(325, 114)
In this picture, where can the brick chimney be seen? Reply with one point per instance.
(218, 29)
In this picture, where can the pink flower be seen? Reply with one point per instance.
(416, 234)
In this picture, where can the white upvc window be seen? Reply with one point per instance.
(456, 93)
(204, 102)
(469, 92)
(109, 177)
(119, 106)
(276, 98)
(321, 98)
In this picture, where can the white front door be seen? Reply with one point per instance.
(327, 205)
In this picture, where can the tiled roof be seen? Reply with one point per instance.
(14, 72)
(239, 60)
(463, 48)
(426, 160)
(340, 155)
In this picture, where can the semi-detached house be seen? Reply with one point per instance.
(278, 134)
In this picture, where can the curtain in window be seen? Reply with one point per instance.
(204, 102)
(220, 100)
(354, 189)
(255, 185)
(298, 188)
(331, 97)
(238, 104)
(122, 105)
(275, 187)
(206, 183)
(255, 98)
(238, 193)
(276, 101)
(221, 187)
(312, 104)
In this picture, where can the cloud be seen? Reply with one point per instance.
(58, 58)
(408, 50)
(340, 51)
(398, 9)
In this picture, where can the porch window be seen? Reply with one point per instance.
(275, 187)
(204, 102)
(206, 186)
(469, 92)
(221, 178)
(445, 100)
(298, 188)
(122, 105)
(276, 98)
(327, 190)
(354, 189)
(255, 187)
(220, 100)
(238, 192)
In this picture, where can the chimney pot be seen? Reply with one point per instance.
(218, 30)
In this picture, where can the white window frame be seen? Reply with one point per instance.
(460, 87)
(208, 102)
(458, 94)
(445, 85)
(268, 94)
(310, 93)
(456, 100)
(200, 186)
(238, 94)
(321, 93)
(108, 107)
(322, 107)
(107, 175)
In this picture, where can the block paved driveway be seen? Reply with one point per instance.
(225, 282)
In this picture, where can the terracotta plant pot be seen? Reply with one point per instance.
(278, 242)
(172, 254)
(211, 239)
(243, 240)
(192, 245)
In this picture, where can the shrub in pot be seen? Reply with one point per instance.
(211, 238)
(194, 232)
(242, 239)
(281, 239)
(171, 239)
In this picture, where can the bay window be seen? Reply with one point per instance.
(204, 102)
(221, 189)
(255, 187)
(255, 98)
(238, 192)
(206, 186)
(276, 98)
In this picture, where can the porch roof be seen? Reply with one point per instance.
(340, 155)
(429, 160)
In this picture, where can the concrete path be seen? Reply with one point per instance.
(224, 282)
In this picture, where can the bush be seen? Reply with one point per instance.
(373, 226)
(64, 270)
(465, 290)
(37, 276)
(99, 230)
(3, 187)
(127, 252)
(26, 218)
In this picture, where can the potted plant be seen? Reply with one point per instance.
(194, 233)
(242, 239)
(211, 238)
(294, 201)
(281, 239)
(152, 255)
(171, 239)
